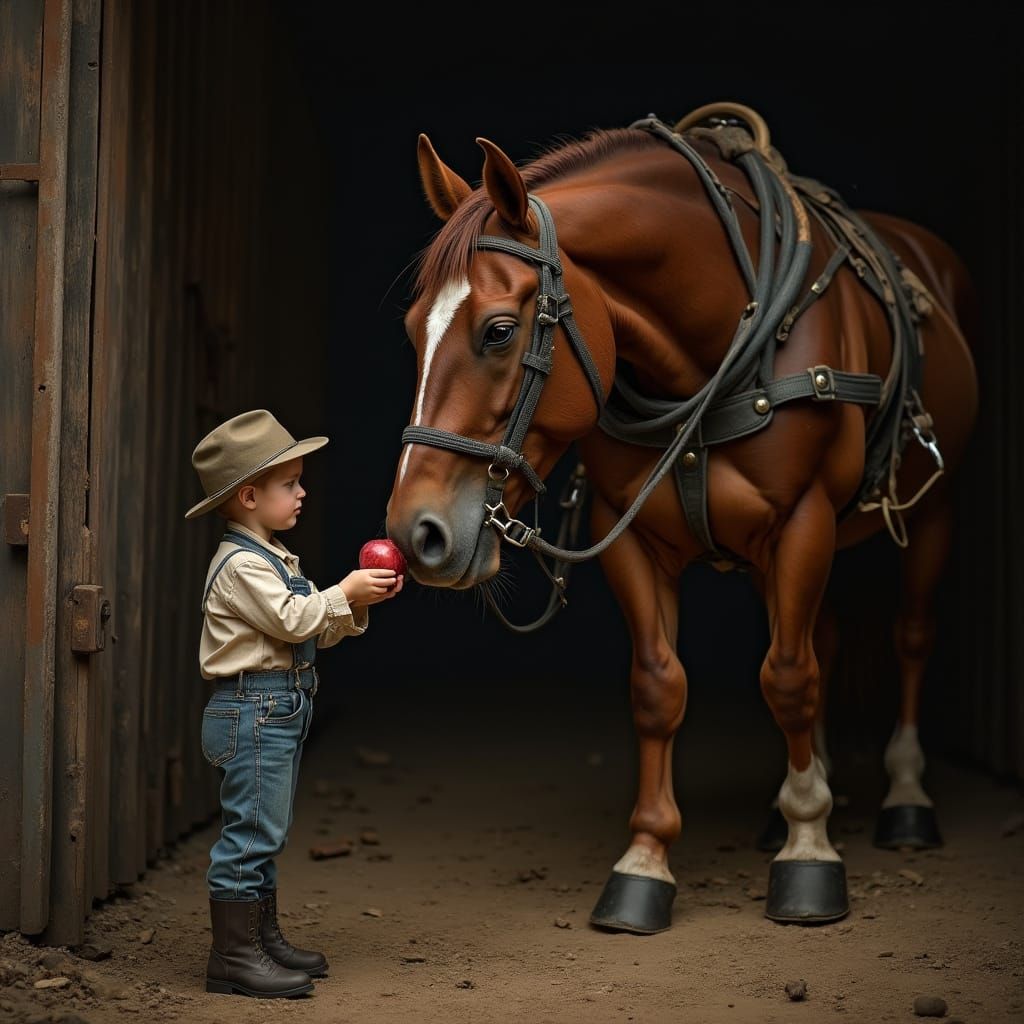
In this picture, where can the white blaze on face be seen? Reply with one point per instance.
(904, 761)
(805, 801)
(448, 300)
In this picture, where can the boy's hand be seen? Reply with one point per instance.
(371, 586)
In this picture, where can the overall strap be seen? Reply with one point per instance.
(303, 653)
(259, 549)
(245, 544)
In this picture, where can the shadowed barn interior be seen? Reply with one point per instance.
(209, 208)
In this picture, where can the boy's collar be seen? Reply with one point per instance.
(275, 545)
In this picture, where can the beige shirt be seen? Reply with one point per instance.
(252, 618)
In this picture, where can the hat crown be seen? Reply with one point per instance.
(238, 448)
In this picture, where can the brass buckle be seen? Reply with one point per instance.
(508, 524)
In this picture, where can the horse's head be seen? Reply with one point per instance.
(474, 319)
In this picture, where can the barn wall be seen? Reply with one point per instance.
(155, 266)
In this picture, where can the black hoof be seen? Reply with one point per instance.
(634, 903)
(907, 825)
(807, 891)
(775, 833)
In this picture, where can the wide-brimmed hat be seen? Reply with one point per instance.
(240, 449)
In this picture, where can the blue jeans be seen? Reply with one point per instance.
(253, 735)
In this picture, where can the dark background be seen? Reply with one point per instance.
(901, 111)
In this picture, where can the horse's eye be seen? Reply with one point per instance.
(499, 334)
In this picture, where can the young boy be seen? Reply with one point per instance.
(263, 623)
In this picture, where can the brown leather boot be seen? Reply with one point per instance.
(238, 962)
(313, 963)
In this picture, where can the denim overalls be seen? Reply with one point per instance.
(253, 730)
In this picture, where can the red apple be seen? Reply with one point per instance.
(381, 553)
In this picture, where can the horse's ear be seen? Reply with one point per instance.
(506, 187)
(444, 188)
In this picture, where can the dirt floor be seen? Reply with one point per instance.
(479, 849)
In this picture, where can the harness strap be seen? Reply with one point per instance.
(691, 482)
(553, 307)
(499, 454)
(571, 501)
(750, 411)
(815, 292)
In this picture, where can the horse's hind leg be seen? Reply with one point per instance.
(907, 817)
(807, 880)
(640, 890)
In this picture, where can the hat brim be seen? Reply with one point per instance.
(297, 450)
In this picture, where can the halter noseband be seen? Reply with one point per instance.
(553, 308)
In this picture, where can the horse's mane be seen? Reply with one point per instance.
(449, 254)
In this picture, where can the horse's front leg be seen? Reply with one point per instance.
(807, 880)
(639, 893)
(773, 836)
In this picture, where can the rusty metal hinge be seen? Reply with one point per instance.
(16, 508)
(89, 619)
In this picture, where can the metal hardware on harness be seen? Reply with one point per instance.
(891, 507)
(544, 303)
(824, 382)
(508, 523)
(921, 426)
(572, 493)
(931, 444)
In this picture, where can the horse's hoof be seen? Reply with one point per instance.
(907, 825)
(775, 833)
(634, 903)
(807, 891)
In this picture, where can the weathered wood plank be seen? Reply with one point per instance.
(41, 581)
(71, 823)
(20, 54)
(166, 188)
(126, 762)
(108, 362)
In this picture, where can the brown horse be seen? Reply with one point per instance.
(656, 291)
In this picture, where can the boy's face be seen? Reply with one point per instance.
(278, 499)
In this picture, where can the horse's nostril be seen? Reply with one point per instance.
(431, 541)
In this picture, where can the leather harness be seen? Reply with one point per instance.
(741, 396)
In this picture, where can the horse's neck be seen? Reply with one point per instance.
(643, 227)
